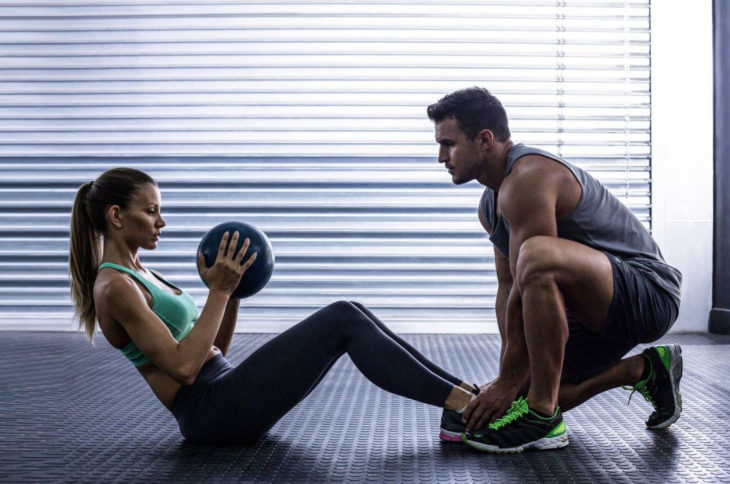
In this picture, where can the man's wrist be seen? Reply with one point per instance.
(509, 381)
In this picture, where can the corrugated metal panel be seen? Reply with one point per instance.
(307, 119)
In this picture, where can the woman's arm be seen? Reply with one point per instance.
(228, 325)
(182, 360)
(125, 303)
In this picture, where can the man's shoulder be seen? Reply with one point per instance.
(537, 165)
(529, 173)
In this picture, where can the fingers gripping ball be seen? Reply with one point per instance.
(260, 272)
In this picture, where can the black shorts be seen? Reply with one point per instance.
(641, 312)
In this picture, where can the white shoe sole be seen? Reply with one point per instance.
(546, 443)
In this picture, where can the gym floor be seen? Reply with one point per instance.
(76, 412)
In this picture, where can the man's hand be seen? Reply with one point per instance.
(491, 403)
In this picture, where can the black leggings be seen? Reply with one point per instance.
(238, 405)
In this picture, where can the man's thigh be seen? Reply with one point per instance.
(584, 276)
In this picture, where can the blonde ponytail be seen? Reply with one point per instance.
(84, 258)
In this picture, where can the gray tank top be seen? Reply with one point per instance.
(599, 221)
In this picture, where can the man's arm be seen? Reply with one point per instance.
(528, 201)
(504, 286)
(514, 367)
(529, 206)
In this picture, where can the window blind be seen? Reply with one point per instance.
(308, 120)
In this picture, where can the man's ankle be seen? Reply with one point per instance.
(646, 373)
(641, 369)
(543, 409)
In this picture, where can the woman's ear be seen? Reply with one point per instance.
(114, 216)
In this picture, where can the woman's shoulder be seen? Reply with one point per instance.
(112, 288)
(109, 280)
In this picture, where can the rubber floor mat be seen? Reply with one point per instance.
(72, 412)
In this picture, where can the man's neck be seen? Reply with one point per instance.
(496, 165)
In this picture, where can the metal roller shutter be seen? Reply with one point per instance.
(307, 119)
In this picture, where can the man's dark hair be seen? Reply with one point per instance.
(474, 109)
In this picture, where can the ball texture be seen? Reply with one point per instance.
(258, 275)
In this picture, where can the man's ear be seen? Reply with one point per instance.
(486, 139)
(114, 216)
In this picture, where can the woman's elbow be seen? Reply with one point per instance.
(187, 375)
(187, 381)
(183, 373)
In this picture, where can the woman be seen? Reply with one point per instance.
(181, 354)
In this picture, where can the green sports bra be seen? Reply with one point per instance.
(177, 311)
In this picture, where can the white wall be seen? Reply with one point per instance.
(682, 137)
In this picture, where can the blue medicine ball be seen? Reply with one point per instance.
(256, 277)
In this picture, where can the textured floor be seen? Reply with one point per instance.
(76, 413)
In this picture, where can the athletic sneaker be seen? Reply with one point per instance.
(661, 387)
(519, 429)
(451, 425)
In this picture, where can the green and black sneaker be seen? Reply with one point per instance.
(661, 386)
(520, 429)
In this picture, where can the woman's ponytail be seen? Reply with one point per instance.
(84, 257)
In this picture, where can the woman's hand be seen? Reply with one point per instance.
(228, 268)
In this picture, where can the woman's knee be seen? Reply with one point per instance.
(343, 312)
(358, 305)
(343, 307)
(330, 316)
(348, 316)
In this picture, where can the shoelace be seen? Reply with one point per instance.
(642, 388)
(516, 410)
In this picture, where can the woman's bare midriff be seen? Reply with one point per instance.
(163, 385)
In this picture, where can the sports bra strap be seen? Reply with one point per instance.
(147, 284)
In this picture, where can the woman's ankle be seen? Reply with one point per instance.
(458, 399)
(468, 386)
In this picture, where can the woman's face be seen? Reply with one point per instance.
(141, 220)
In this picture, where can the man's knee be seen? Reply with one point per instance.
(537, 262)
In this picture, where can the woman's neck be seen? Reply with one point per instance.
(121, 255)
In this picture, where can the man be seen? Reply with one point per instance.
(581, 282)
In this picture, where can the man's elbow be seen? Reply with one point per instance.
(505, 282)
